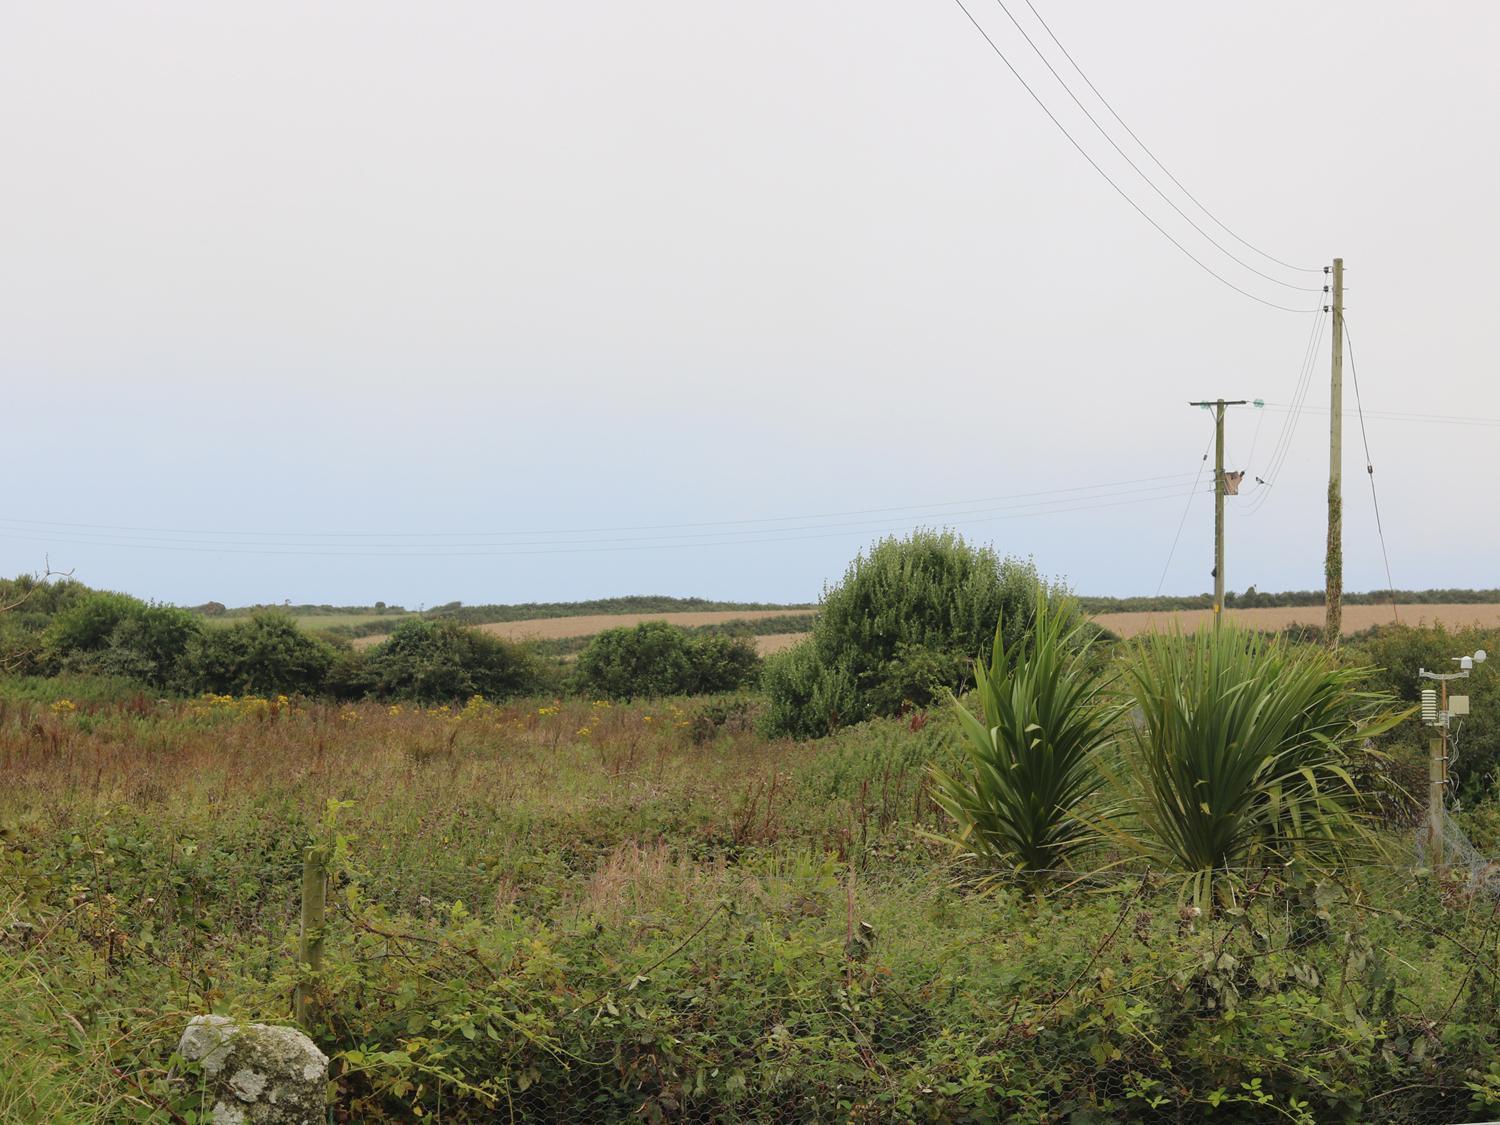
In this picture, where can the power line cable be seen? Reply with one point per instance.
(1370, 469)
(1399, 416)
(562, 548)
(477, 534)
(1105, 103)
(452, 546)
(1255, 438)
(1265, 479)
(1188, 507)
(1283, 447)
(1039, 505)
(1110, 180)
(1136, 167)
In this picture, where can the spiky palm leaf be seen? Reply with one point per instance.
(1032, 756)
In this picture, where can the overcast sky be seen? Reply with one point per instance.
(342, 279)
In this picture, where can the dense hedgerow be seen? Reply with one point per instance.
(902, 628)
(655, 658)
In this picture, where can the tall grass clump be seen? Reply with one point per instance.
(1245, 753)
(901, 630)
(1032, 754)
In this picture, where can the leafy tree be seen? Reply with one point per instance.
(902, 628)
(266, 654)
(442, 661)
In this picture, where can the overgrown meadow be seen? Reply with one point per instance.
(581, 911)
(1172, 880)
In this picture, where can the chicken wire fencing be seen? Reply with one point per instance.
(673, 989)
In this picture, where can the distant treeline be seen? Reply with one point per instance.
(1254, 599)
(760, 627)
(494, 614)
(636, 603)
(219, 609)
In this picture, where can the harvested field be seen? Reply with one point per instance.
(778, 642)
(1357, 618)
(553, 628)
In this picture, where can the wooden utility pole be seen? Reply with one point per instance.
(1218, 405)
(1334, 567)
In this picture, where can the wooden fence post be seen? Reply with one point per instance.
(310, 947)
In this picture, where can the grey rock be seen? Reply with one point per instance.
(259, 1074)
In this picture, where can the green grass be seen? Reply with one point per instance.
(548, 911)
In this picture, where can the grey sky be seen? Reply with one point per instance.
(404, 269)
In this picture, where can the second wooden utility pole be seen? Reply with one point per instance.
(1333, 568)
(1218, 405)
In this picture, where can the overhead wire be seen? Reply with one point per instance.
(867, 525)
(1109, 179)
(1370, 468)
(1266, 480)
(1260, 420)
(564, 548)
(1152, 184)
(1188, 507)
(1144, 148)
(1400, 416)
(931, 507)
(1301, 390)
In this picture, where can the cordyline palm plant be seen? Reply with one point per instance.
(1244, 754)
(1032, 757)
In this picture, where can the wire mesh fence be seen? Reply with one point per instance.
(792, 987)
(807, 993)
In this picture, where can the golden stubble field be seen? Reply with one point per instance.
(1357, 618)
(554, 628)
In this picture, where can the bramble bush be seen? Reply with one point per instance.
(264, 655)
(109, 634)
(29, 604)
(429, 661)
(902, 629)
(655, 659)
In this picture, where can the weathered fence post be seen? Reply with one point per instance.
(310, 947)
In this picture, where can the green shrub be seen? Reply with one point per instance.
(1034, 753)
(1398, 651)
(109, 634)
(807, 698)
(901, 629)
(431, 661)
(722, 662)
(264, 655)
(27, 606)
(654, 658)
